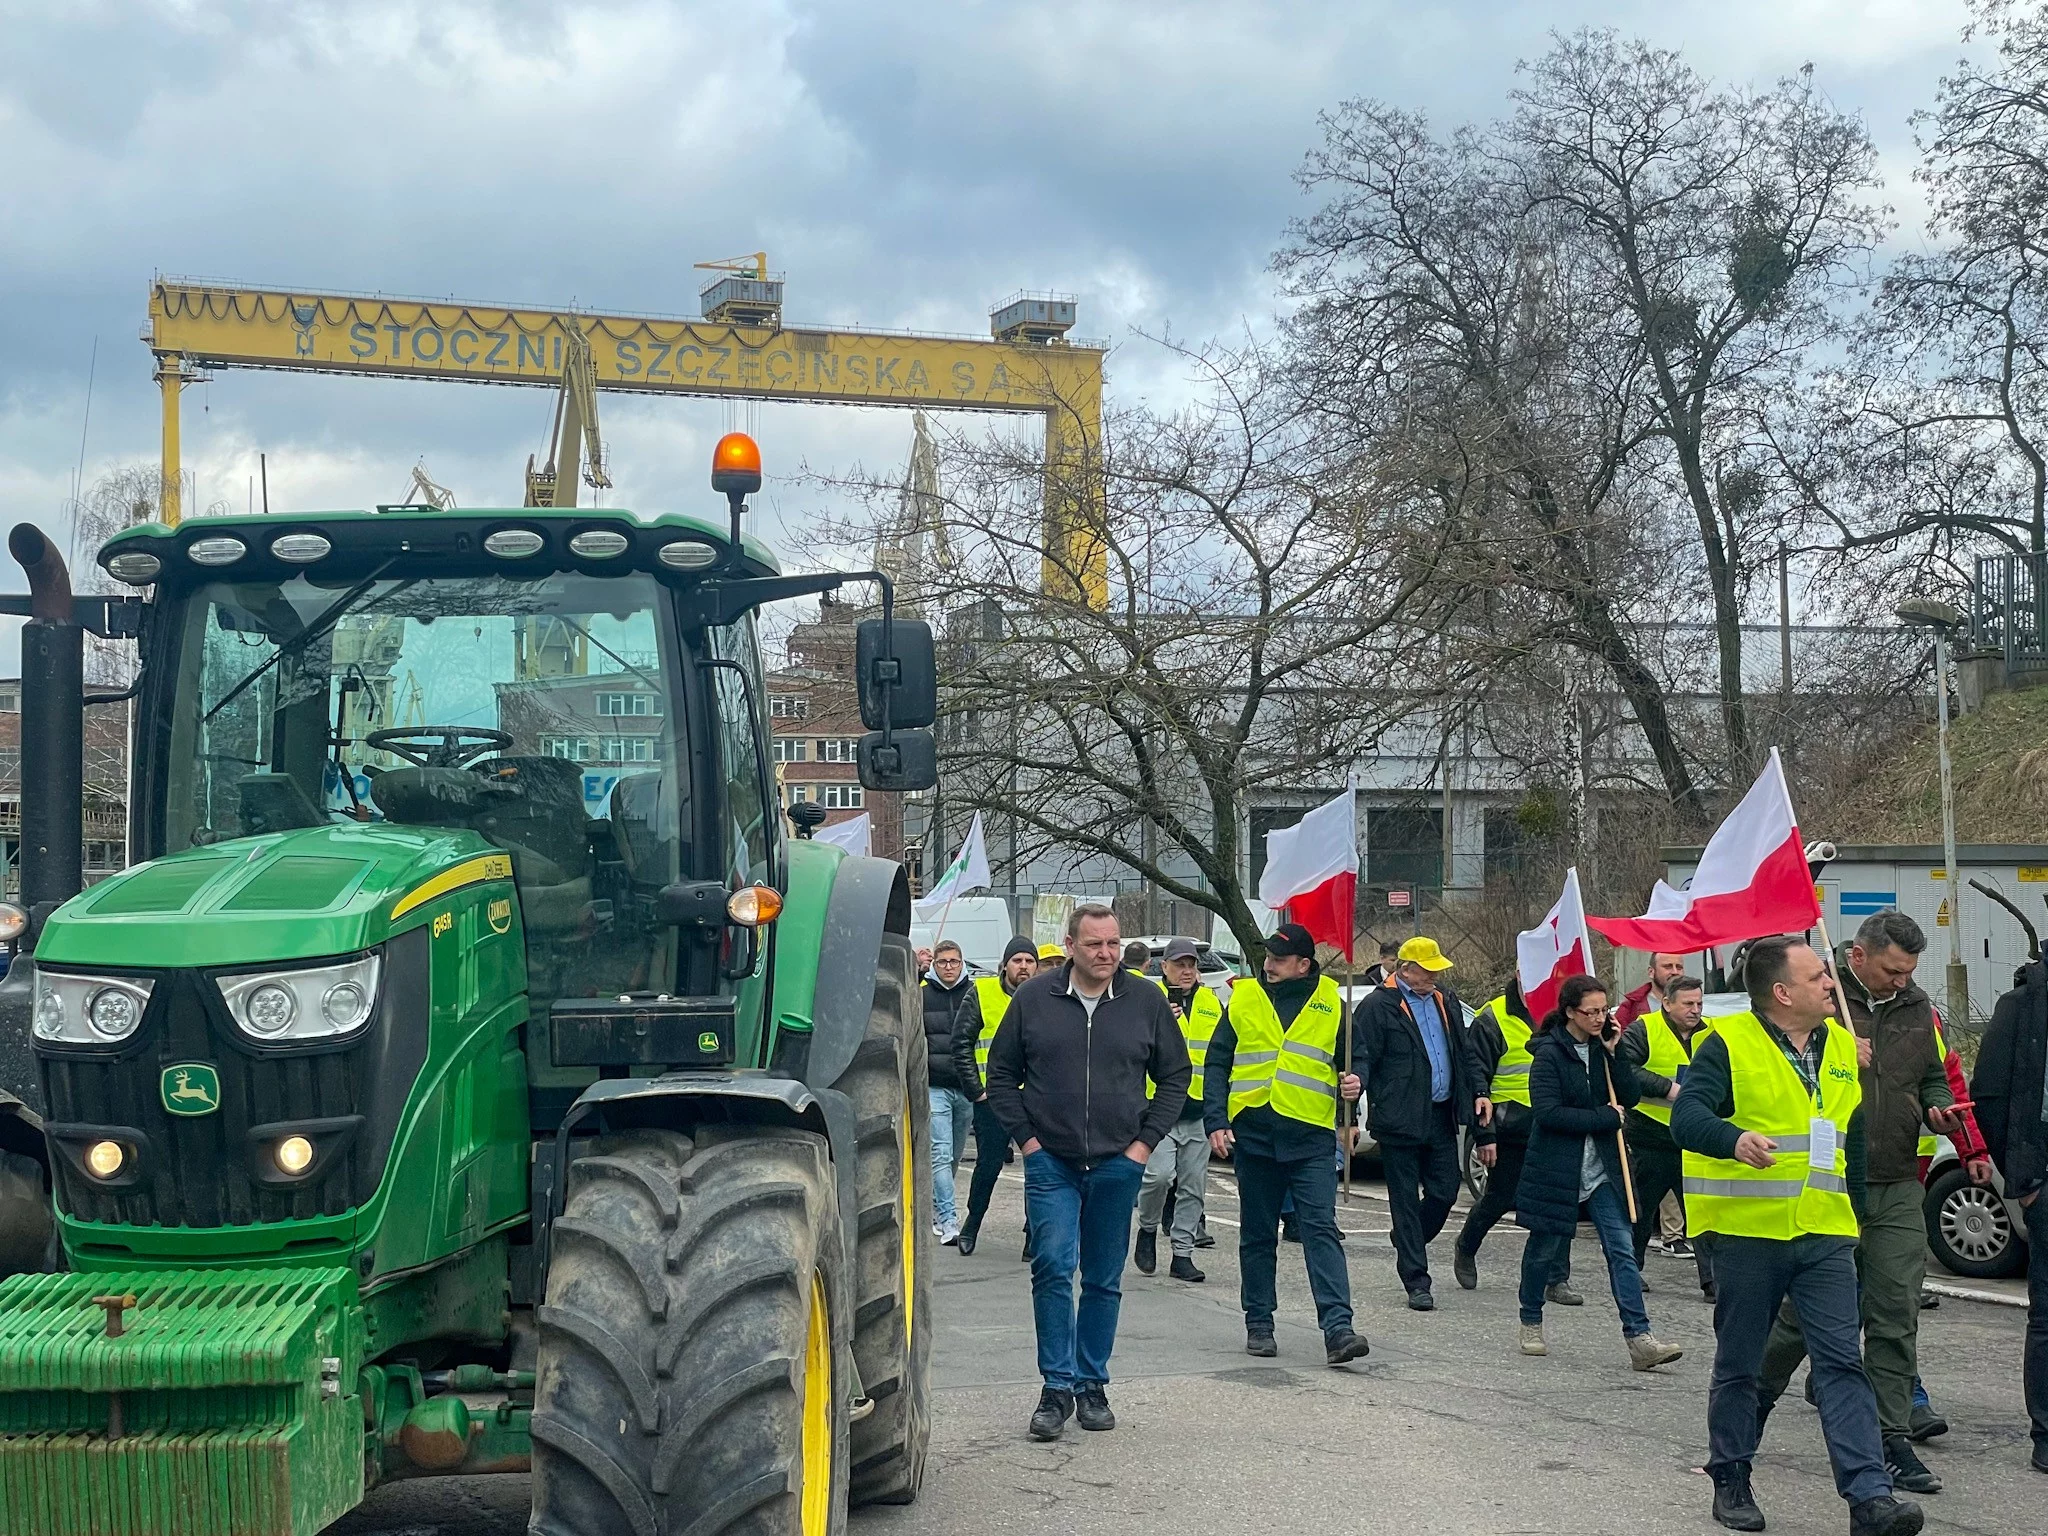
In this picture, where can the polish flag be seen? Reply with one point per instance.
(1311, 874)
(1555, 948)
(1752, 881)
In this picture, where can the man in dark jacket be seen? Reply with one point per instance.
(1066, 1077)
(1499, 1041)
(950, 1007)
(1656, 1049)
(1424, 1085)
(1276, 1060)
(970, 1057)
(2012, 1068)
(1664, 969)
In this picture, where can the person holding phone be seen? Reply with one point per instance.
(1575, 1159)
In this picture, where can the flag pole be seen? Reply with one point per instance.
(1628, 1185)
(1346, 1106)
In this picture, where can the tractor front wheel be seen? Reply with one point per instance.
(693, 1368)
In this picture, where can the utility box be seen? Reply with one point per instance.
(1867, 878)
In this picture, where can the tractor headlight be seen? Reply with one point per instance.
(89, 1010)
(317, 1002)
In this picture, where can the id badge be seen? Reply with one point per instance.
(1821, 1144)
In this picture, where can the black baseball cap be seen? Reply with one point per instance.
(1180, 949)
(1291, 939)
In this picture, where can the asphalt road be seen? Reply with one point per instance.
(1446, 1429)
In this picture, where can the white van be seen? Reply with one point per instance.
(980, 925)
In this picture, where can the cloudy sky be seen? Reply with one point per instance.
(904, 165)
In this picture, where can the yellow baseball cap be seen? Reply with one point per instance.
(1052, 952)
(1425, 953)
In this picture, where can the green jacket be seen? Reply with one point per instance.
(1905, 1077)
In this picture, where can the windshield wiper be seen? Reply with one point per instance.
(324, 621)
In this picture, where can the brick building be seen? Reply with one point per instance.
(106, 785)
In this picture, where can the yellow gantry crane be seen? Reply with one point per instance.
(740, 348)
(574, 434)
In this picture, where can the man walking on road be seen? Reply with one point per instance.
(1413, 1047)
(1763, 1123)
(991, 1145)
(1905, 1091)
(950, 1009)
(1499, 1040)
(1066, 1075)
(2012, 1064)
(1658, 1048)
(1273, 1078)
(1180, 1163)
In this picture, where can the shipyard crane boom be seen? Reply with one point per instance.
(573, 435)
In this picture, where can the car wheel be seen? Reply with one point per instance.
(1970, 1230)
(1476, 1172)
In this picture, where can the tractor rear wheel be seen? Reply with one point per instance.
(692, 1367)
(892, 1340)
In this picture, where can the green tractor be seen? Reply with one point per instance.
(470, 1074)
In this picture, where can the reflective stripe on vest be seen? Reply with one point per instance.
(1667, 1058)
(1788, 1199)
(1511, 1073)
(995, 1002)
(1929, 1142)
(1293, 1069)
(1197, 1027)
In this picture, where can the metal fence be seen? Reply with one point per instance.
(2009, 609)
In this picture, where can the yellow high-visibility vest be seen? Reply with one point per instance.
(1197, 1027)
(1929, 1142)
(1791, 1198)
(1667, 1056)
(995, 1002)
(1510, 1083)
(1292, 1069)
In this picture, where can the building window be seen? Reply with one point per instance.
(790, 706)
(626, 704)
(626, 749)
(798, 793)
(577, 749)
(791, 749)
(842, 797)
(839, 749)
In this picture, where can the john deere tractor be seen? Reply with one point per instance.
(470, 1074)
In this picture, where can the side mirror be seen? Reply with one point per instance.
(905, 760)
(909, 679)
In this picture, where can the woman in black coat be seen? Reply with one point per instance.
(1574, 1159)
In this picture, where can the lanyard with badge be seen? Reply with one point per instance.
(1820, 1130)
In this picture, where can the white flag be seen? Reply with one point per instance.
(855, 835)
(967, 872)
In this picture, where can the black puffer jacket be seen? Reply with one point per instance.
(2008, 1083)
(1568, 1102)
(944, 1009)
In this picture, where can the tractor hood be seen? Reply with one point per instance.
(291, 895)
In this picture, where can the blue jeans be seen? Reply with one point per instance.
(1753, 1276)
(952, 1118)
(1263, 1186)
(1079, 1218)
(1543, 1253)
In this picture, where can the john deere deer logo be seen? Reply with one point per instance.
(191, 1088)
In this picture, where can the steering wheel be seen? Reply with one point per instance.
(439, 746)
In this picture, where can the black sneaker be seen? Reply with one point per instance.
(1812, 1389)
(1925, 1423)
(1147, 1256)
(1051, 1417)
(1885, 1516)
(1564, 1295)
(1421, 1301)
(1202, 1237)
(1184, 1269)
(2041, 1458)
(1287, 1232)
(1734, 1504)
(967, 1237)
(1345, 1346)
(1465, 1266)
(1091, 1409)
(1678, 1248)
(1907, 1469)
(1260, 1344)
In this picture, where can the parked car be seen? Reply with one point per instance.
(1975, 1232)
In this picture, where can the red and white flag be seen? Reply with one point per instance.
(1311, 874)
(1752, 880)
(1555, 948)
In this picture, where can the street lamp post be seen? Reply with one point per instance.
(1944, 620)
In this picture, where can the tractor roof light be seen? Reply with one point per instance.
(599, 543)
(736, 465)
(137, 567)
(754, 906)
(300, 548)
(217, 550)
(514, 543)
(688, 555)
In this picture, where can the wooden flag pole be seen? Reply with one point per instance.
(1346, 1106)
(1628, 1183)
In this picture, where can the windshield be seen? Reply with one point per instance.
(536, 713)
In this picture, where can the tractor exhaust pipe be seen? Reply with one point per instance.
(52, 731)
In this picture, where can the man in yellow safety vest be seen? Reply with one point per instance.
(1659, 1047)
(1180, 1162)
(1763, 1123)
(991, 1145)
(1272, 1078)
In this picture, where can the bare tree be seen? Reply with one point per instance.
(1266, 612)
